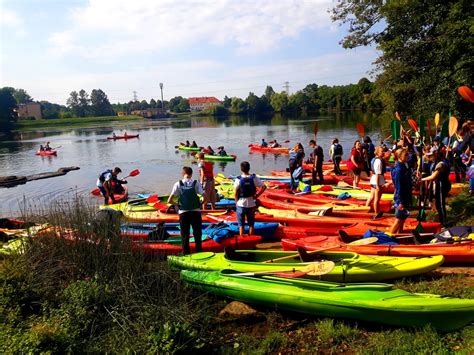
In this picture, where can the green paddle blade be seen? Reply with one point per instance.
(444, 130)
(421, 216)
(419, 228)
(395, 128)
(421, 125)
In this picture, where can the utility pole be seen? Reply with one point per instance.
(286, 85)
(134, 95)
(162, 103)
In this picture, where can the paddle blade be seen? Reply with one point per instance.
(134, 172)
(153, 199)
(287, 141)
(453, 125)
(320, 268)
(291, 274)
(395, 128)
(316, 129)
(95, 192)
(365, 241)
(419, 228)
(436, 119)
(397, 115)
(360, 129)
(413, 124)
(466, 93)
(444, 130)
(421, 126)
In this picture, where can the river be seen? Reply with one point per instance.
(154, 153)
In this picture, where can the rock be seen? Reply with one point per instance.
(239, 311)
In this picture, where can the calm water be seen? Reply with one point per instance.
(154, 152)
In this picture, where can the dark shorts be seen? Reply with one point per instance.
(246, 213)
(356, 171)
(102, 190)
(401, 214)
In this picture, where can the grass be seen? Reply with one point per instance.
(82, 121)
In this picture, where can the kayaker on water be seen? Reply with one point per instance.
(221, 151)
(106, 182)
(317, 158)
(245, 194)
(263, 144)
(335, 153)
(275, 144)
(186, 191)
(296, 164)
(206, 174)
(187, 144)
(46, 147)
(114, 135)
(194, 144)
(356, 162)
(377, 181)
(208, 150)
(401, 178)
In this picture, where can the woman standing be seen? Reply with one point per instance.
(377, 181)
(356, 162)
(401, 178)
(296, 164)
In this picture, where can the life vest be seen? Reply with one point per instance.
(207, 169)
(188, 197)
(337, 149)
(384, 165)
(247, 186)
(102, 176)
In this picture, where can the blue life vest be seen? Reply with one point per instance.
(247, 186)
(188, 197)
(102, 176)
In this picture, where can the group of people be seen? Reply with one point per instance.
(207, 150)
(45, 148)
(109, 184)
(273, 144)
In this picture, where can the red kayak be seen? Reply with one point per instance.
(462, 252)
(47, 152)
(125, 137)
(307, 200)
(155, 248)
(259, 148)
(325, 225)
(118, 196)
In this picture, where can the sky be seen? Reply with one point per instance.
(194, 47)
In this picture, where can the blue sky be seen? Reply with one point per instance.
(195, 47)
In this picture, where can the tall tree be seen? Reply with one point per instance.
(7, 107)
(269, 92)
(227, 101)
(238, 105)
(21, 96)
(426, 47)
(84, 103)
(73, 103)
(279, 102)
(100, 104)
(152, 103)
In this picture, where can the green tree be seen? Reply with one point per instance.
(152, 103)
(269, 92)
(227, 101)
(279, 101)
(312, 93)
(253, 103)
(426, 50)
(73, 103)
(299, 101)
(84, 103)
(100, 104)
(238, 105)
(7, 107)
(183, 105)
(21, 96)
(50, 110)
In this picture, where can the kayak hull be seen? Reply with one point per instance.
(47, 152)
(259, 148)
(119, 197)
(125, 137)
(189, 149)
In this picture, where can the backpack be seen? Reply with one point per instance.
(102, 176)
(247, 186)
(188, 197)
(338, 149)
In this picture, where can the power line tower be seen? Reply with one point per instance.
(286, 85)
(162, 103)
(134, 95)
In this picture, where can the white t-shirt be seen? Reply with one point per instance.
(377, 169)
(176, 191)
(247, 202)
(107, 177)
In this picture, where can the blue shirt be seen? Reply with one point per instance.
(401, 177)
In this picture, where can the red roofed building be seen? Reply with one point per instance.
(202, 103)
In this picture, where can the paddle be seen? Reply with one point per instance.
(135, 172)
(414, 125)
(360, 129)
(317, 268)
(466, 93)
(422, 125)
(444, 130)
(453, 127)
(436, 119)
(395, 128)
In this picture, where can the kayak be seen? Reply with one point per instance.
(259, 148)
(125, 137)
(350, 267)
(231, 157)
(119, 197)
(145, 231)
(174, 245)
(189, 149)
(223, 203)
(336, 191)
(158, 216)
(325, 225)
(462, 252)
(310, 199)
(10, 228)
(372, 302)
(47, 152)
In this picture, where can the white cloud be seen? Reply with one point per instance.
(10, 19)
(116, 27)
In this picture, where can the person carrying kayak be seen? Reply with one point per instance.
(401, 178)
(106, 183)
(356, 162)
(317, 158)
(221, 152)
(186, 191)
(245, 194)
(335, 153)
(295, 164)
(263, 144)
(206, 175)
(377, 181)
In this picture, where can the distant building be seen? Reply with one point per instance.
(149, 112)
(122, 113)
(202, 103)
(30, 109)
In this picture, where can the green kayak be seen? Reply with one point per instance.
(189, 149)
(372, 302)
(350, 267)
(220, 157)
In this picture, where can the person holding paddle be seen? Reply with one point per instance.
(107, 182)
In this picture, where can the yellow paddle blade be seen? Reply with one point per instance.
(436, 119)
(364, 241)
(319, 268)
(453, 126)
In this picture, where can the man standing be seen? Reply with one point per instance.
(106, 182)
(245, 191)
(318, 159)
(186, 192)
(206, 175)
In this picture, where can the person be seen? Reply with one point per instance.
(377, 181)
(296, 164)
(114, 135)
(208, 150)
(369, 154)
(194, 144)
(317, 160)
(263, 144)
(206, 175)
(186, 191)
(221, 151)
(187, 144)
(439, 178)
(401, 178)
(335, 153)
(46, 147)
(41, 148)
(356, 162)
(275, 144)
(106, 183)
(245, 193)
